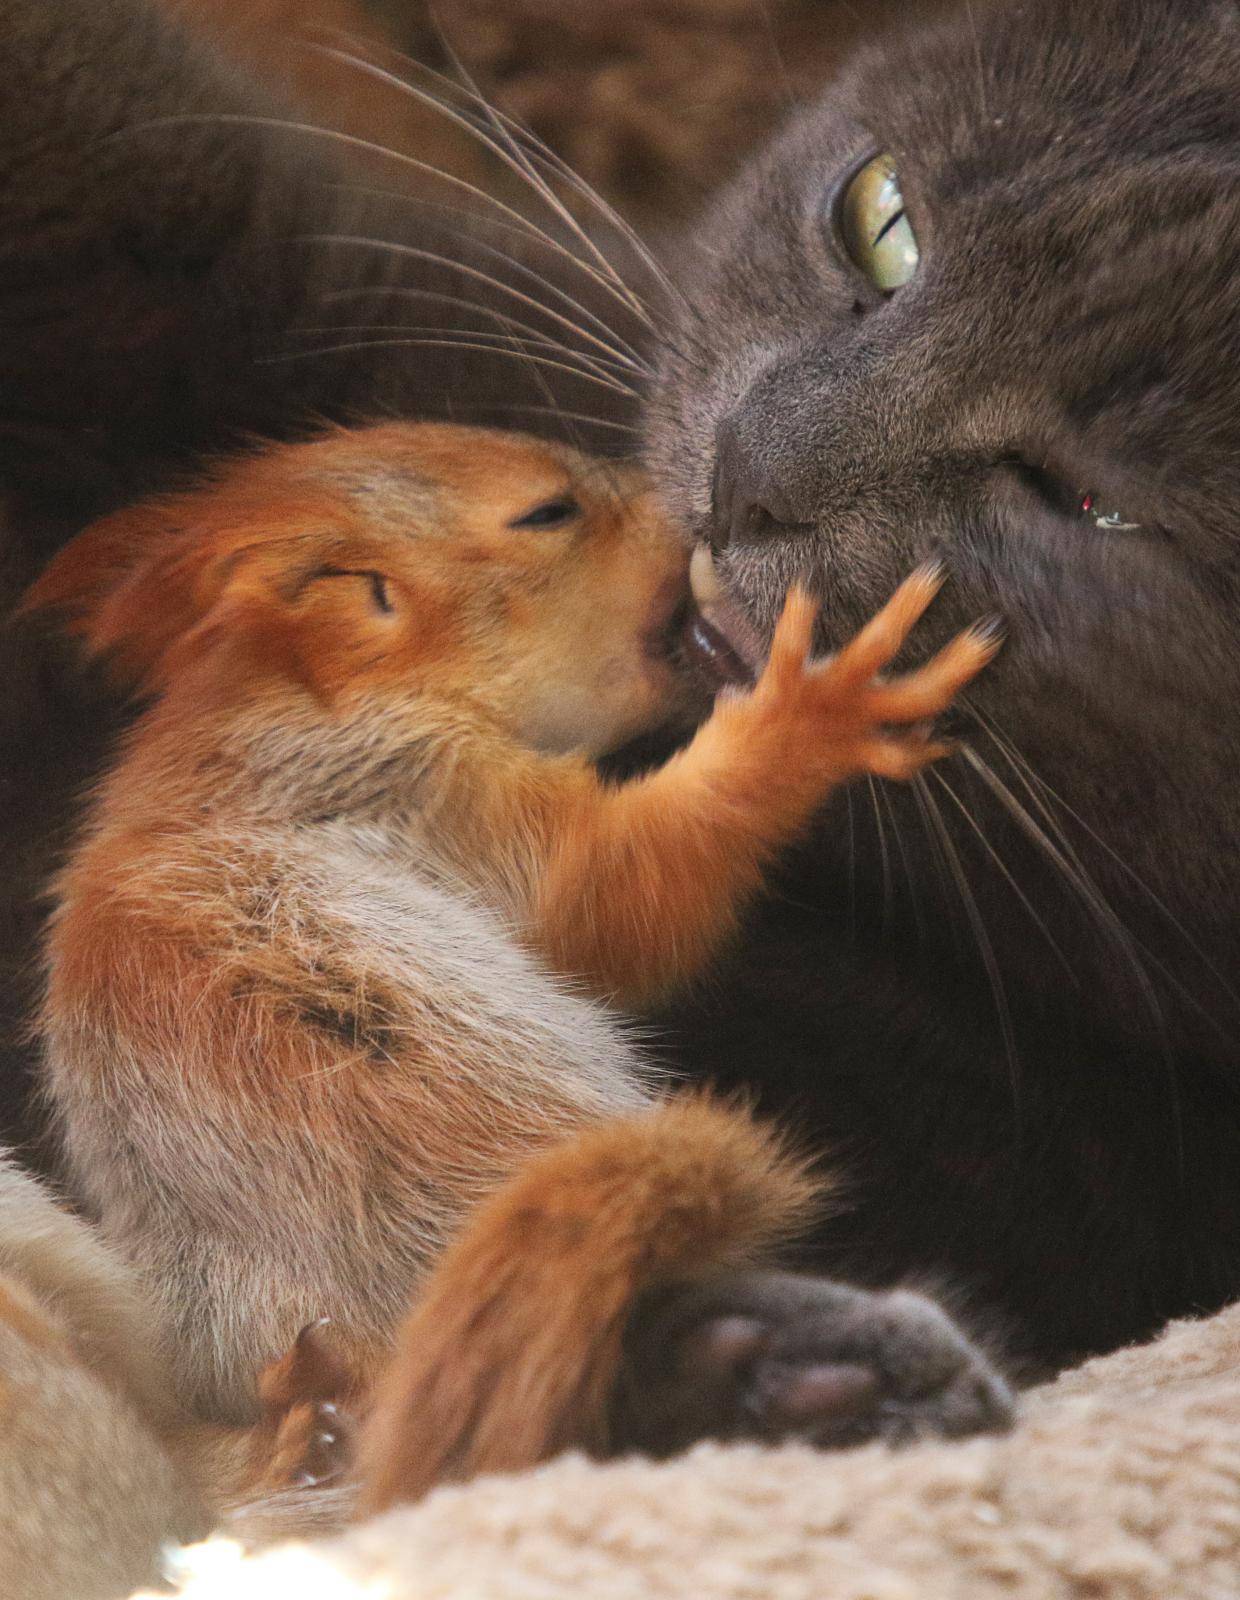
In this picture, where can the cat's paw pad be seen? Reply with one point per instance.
(770, 1356)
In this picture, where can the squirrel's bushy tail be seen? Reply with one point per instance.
(511, 1352)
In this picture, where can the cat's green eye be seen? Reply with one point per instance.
(874, 225)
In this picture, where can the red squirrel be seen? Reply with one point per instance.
(343, 943)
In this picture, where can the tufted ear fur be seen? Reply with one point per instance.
(127, 588)
(138, 586)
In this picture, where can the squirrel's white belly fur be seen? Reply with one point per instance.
(419, 1053)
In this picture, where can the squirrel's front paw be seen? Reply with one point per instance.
(305, 1437)
(856, 720)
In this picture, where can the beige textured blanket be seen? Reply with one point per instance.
(1121, 1483)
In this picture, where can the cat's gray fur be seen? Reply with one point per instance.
(1035, 1068)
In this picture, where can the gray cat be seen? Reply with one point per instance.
(975, 304)
(980, 304)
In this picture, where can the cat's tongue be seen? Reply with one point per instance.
(719, 636)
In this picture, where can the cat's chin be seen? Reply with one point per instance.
(719, 642)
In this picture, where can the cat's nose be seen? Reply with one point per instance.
(746, 504)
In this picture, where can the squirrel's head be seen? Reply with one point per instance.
(395, 565)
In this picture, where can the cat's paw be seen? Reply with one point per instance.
(772, 1356)
(852, 719)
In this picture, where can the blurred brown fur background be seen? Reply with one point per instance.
(654, 102)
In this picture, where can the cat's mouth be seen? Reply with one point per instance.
(717, 638)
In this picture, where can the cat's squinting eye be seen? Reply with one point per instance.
(1111, 521)
(1078, 504)
(550, 514)
(874, 226)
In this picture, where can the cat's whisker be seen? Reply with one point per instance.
(510, 338)
(540, 379)
(515, 136)
(981, 936)
(883, 792)
(1036, 787)
(918, 787)
(411, 163)
(542, 151)
(884, 854)
(475, 408)
(1038, 793)
(527, 147)
(344, 347)
(505, 150)
(479, 308)
(510, 135)
(1049, 834)
(1104, 914)
(474, 340)
(1135, 954)
(671, 289)
(1006, 874)
(1043, 797)
(609, 337)
(414, 252)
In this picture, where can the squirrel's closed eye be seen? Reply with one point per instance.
(550, 514)
(379, 595)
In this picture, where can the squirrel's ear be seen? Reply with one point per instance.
(77, 581)
(128, 587)
(141, 587)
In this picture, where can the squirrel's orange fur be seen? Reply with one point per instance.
(317, 971)
(509, 1353)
